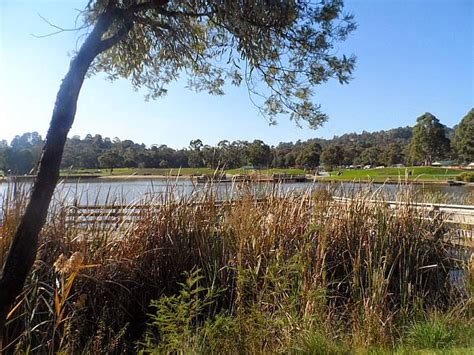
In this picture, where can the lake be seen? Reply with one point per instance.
(126, 191)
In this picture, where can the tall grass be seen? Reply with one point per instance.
(284, 272)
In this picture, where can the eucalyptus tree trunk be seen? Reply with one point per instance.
(22, 253)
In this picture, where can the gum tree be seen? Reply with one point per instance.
(429, 140)
(464, 138)
(280, 50)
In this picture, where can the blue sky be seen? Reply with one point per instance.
(413, 56)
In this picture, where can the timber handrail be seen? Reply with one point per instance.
(458, 214)
(436, 206)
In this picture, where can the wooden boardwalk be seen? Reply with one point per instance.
(122, 216)
(458, 214)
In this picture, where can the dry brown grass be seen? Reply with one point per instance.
(284, 264)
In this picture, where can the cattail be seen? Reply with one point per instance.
(75, 261)
(67, 266)
(60, 264)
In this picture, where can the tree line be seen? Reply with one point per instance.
(427, 141)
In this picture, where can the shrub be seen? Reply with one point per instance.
(177, 325)
(466, 177)
(440, 331)
(318, 343)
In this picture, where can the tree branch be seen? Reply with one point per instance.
(59, 28)
(185, 14)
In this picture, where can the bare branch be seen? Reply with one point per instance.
(59, 28)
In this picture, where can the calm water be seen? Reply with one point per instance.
(130, 191)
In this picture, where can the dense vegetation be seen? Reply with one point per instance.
(428, 141)
(279, 50)
(261, 276)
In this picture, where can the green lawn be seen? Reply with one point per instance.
(378, 175)
(383, 174)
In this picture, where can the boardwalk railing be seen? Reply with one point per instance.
(119, 216)
(459, 214)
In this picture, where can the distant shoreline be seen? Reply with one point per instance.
(103, 177)
(30, 178)
(145, 177)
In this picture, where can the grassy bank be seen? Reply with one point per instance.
(297, 274)
(175, 172)
(415, 174)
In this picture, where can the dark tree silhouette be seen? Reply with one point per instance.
(464, 138)
(429, 140)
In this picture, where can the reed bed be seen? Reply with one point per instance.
(274, 272)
